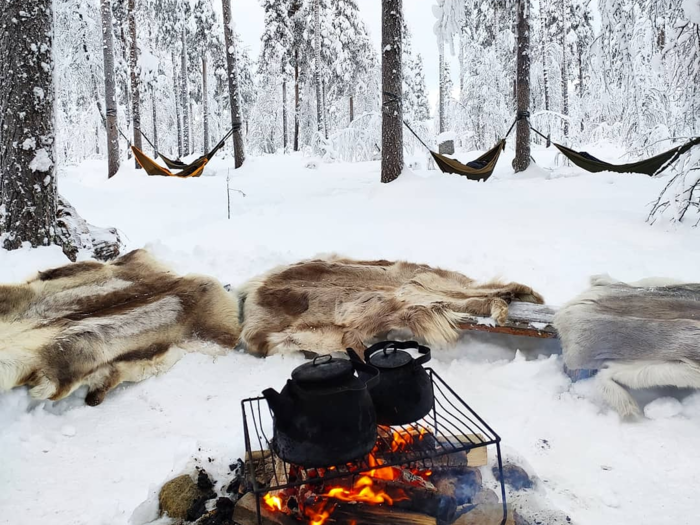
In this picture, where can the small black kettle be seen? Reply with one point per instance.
(404, 393)
(324, 415)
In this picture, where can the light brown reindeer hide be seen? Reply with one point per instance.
(99, 324)
(329, 305)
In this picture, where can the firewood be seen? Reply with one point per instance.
(408, 498)
(477, 457)
(361, 514)
(246, 513)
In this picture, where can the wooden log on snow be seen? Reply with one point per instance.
(524, 319)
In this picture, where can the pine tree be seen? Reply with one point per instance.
(277, 41)
(392, 128)
(320, 110)
(204, 42)
(233, 85)
(522, 139)
(110, 89)
(28, 197)
(135, 81)
(356, 57)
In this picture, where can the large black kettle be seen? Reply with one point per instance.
(324, 415)
(404, 393)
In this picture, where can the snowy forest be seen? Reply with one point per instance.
(254, 194)
(316, 82)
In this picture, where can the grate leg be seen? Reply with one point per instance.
(257, 507)
(503, 486)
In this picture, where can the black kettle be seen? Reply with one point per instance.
(324, 415)
(404, 392)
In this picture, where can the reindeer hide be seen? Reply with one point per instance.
(646, 321)
(99, 324)
(329, 305)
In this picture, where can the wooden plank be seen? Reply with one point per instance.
(524, 319)
(476, 457)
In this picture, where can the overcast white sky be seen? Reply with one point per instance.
(248, 16)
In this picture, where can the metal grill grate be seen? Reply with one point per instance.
(450, 427)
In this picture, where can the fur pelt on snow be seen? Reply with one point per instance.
(639, 335)
(330, 304)
(99, 324)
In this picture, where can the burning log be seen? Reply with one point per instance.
(246, 513)
(392, 494)
(345, 513)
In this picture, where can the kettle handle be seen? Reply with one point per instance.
(359, 365)
(384, 345)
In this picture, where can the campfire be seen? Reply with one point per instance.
(422, 473)
(386, 486)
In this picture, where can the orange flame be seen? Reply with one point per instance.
(273, 502)
(318, 518)
(362, 491)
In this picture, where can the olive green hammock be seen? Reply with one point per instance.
(478, 169)
(650, 166)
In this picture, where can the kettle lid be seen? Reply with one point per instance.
(390, 357)
(322, 369)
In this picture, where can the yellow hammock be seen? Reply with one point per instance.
(194, 169)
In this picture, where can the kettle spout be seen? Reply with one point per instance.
(282, 407)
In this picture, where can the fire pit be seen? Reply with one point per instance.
(392, 484)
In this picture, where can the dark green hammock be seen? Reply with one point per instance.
(650, 166)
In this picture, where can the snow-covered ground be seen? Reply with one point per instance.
(66, 463)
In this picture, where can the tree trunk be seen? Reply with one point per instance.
(296, 100)
(133, 67)
(352, 109)
(28, 200)
(317, 64)
(580, 81)
(155, 122)
(178, 101)
(285, 138)
(184, 93)
(392, 130)
(564, 70)
(522, 139)
(110, 89)
(441, 80)
(323, 108)
(545, 35)
(205, 103)
(238, 152)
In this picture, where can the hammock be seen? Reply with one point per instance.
(187, 171)
(481, 169)
(488, 160)
(650, 166)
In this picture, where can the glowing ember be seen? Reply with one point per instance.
(273, 502)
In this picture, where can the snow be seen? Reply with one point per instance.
(692, 10)
(41, 161)
(551, 227)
